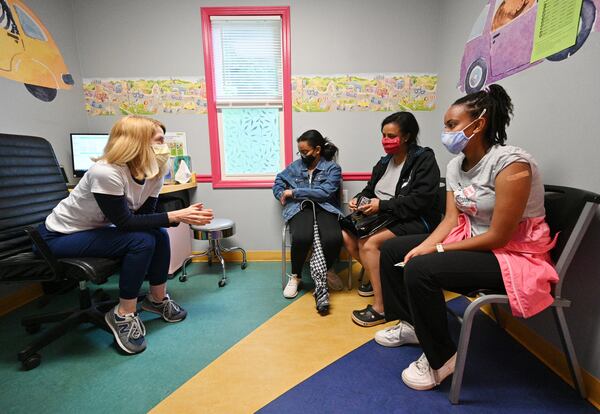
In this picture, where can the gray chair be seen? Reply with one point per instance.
(568, 211)
(214, 232)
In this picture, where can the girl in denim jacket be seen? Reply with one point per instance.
(314, 176)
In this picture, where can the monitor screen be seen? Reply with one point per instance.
(84, 147)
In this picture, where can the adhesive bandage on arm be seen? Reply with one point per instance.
(518, 176)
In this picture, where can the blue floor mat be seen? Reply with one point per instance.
(500, 377)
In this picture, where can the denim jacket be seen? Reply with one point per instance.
(323, 188)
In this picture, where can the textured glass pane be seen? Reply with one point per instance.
(251, 140)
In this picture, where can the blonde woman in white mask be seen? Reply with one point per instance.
(112, 213)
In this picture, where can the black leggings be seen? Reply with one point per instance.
(301, 229)
(414, 293)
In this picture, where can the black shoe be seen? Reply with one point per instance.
(367, 317)
(365, 289)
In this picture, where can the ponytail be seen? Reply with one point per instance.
(315, 139)
(498, 111)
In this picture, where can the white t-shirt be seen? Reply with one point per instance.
(80, 211)
(385, 188)
(475, 190)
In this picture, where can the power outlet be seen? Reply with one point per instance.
(345, 196)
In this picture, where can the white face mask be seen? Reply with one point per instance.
(162, 155)
(456, 141)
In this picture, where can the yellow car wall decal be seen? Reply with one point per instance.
(28, 53)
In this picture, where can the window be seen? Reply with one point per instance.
(30, 27)
(248, 80)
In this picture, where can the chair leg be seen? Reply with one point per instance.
(32, 321)
(461, 357)
(496, 312)
(217, 252)
(349, 272)
(454, 315)
(236, 248)
(283, 257)
(90, 310)
(361, 276)
(567, 344)
(184, 275)
(51, 335)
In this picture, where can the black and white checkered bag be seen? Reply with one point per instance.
(318, 267)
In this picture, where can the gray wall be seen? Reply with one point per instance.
(111, 46)
(556, 118)
(24, 114)
(555, 103)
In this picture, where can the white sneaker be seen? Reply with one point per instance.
(420, 376)
(291, 289)
(333, 281)
(397, 335)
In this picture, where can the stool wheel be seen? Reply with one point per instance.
(183, 278)
(222, 283)
(244, 265)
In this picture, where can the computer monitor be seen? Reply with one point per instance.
(84, 147)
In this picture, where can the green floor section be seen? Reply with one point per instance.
(83, 373)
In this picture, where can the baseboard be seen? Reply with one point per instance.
(19, 298)
(257, 256)
(549, 354)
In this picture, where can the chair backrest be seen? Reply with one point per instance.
(31, 185)
(568, 211)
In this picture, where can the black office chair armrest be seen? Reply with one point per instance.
(44, 251)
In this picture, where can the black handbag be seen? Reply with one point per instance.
(362, 225)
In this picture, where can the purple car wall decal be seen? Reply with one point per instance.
(502, 37)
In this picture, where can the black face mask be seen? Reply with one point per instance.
(308, 159)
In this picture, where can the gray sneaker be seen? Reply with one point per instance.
(168, 309)
(129, 331)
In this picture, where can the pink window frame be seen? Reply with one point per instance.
(213, 127)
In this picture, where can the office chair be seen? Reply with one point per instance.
(570, 212)
(31, 185)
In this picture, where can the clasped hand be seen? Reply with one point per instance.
(195, 214)
(285, 195)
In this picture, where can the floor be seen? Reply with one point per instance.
(244, 348)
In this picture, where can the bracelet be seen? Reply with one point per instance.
(439, 247)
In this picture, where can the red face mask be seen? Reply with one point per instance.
(390, 145)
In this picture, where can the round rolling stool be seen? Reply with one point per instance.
(216, 230)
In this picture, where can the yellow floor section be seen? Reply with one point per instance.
(285, 350)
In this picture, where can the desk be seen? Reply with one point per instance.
(171, 188)
(180, 236)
